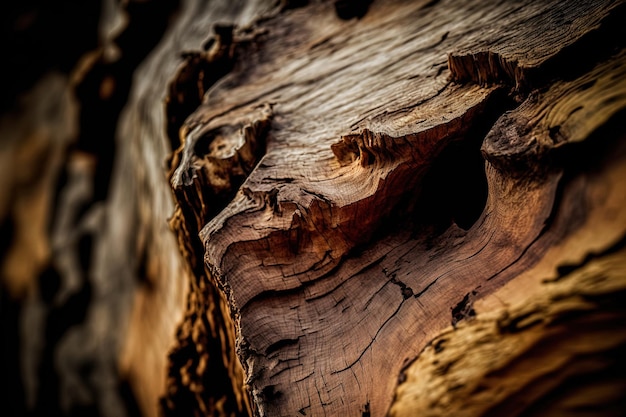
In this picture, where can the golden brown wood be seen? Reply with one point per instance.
(337, 259)
(558, 352)
(550, 342)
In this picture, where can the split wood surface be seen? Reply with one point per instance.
(338, 257)
(323, 208)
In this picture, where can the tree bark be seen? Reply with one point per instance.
(355, 240)
(336, 208)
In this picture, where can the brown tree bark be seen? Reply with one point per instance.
(334, 208)
(365, 228)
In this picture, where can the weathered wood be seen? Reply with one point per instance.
(337, 260)
(322, 208)
(551, 340)
(557, 352)
(189, 368)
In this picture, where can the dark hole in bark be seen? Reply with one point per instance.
(348, 9)
(455, 187)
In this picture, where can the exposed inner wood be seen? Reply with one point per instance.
(549, 341)
(557, 355)
(494, 52)
(307, 208)
(334, 260)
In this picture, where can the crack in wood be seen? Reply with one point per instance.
(497, 64)
(284, 252)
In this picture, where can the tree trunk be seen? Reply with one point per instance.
(396, 208)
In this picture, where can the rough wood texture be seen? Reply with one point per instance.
(341, 255)
(188, 368)
(551, 341)
(559, 354)
(344, 208)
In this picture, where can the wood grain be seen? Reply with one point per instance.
(334, 257)
(557, 322)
